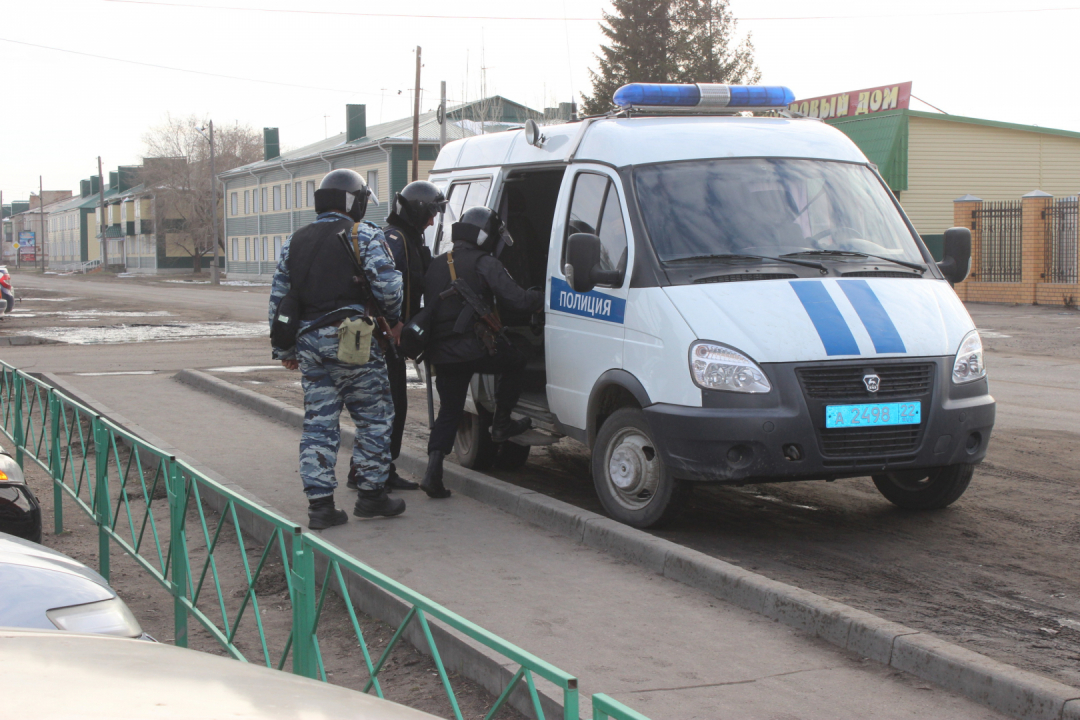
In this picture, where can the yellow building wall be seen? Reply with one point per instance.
(947, 160)
(93, 245)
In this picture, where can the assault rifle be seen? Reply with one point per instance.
(488, 327)
(382, 330)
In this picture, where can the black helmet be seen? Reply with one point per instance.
(418, 202)
(481, 226)
(344, 191)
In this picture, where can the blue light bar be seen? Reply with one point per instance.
(703, 96)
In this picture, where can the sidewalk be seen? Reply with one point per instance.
(667, 650)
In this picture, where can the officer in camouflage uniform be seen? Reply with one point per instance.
(319, 265)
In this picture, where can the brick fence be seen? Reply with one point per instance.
(1034, 285)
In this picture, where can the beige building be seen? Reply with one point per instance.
(931, 159)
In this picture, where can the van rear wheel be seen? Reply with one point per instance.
(925, 489)
(473, 445)
(631, 479)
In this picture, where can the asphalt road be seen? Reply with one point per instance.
(996, 572)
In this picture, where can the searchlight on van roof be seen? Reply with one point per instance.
(703, 96)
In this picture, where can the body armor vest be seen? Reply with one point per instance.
(322, 270)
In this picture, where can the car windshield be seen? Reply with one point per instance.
(770, 207)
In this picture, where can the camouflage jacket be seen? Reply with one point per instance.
(383, 277)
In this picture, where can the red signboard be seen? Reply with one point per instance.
(858, 102)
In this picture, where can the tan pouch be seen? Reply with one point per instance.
(354, 340)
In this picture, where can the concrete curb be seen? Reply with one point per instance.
(1001, 687)
(460, 654)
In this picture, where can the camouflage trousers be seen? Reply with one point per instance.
(364, 390)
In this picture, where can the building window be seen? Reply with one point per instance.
(277, 248)
(234, 203)
(247, 197)
(277, 198)
(288, 192)
(247, 249)
(262, 257)
(373, 182)
(298, 195)
(262, 200)
(311, 193)
(235, 249)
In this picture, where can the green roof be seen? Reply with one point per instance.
(883, 139)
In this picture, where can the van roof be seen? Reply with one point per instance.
(643, 140)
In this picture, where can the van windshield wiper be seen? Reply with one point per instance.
(739, 256)
(854, 253)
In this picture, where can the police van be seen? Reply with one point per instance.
(729, 299)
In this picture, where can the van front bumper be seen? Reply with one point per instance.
(780, 435)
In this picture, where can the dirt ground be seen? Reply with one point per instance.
(997, 572)
(409, 677)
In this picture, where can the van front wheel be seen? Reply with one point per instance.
(631, 479)
(925, 489)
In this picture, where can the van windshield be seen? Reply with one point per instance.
(768, 206)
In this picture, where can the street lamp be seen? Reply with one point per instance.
(213, 190)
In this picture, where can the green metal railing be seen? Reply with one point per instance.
(194, 536)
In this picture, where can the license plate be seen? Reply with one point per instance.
(873, 414)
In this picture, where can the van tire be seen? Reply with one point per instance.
(625, 451)
(512, 456)
(925, 490)
(473, 445)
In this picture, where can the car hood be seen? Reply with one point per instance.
(18, 552)
(808, 320)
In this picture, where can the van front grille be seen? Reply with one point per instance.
(876, 442)
(836, 382)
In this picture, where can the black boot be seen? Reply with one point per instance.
(322, 514)
(432, 482)
(396, 482)
(374, 502)
(503, 428)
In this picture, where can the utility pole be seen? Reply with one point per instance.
(214, 280)
(416, 123)
(41, 214)
(442, 114)
(104, 221)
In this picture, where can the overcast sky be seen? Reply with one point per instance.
(250, 62)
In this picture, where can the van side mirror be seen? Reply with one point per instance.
(956, 254)
(583, 252)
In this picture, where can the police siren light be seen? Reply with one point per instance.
(703, 96)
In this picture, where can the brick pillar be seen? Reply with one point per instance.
(1036, 220)
(965, 214)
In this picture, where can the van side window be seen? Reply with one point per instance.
(461, 196)
(595, 209)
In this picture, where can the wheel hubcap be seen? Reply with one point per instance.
(633, 469)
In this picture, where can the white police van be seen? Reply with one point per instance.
(730, 299)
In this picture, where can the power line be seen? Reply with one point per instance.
(355, 14)
(578, 19)
(184, 70)
(902, 15)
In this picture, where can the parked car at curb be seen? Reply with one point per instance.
(20, 513)
(106, 677)
(45, 589)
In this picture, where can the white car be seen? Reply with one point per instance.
(45, 589)
(64, 675)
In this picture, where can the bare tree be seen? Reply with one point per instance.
(177, 171)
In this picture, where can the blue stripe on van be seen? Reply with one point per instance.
(874, 318)
(830, 324)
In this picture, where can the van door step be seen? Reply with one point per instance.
(534, 438)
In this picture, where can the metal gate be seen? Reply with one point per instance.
(1000, 241)
(1061, 245)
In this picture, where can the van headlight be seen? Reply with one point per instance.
(968, 365)
(716, 367)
